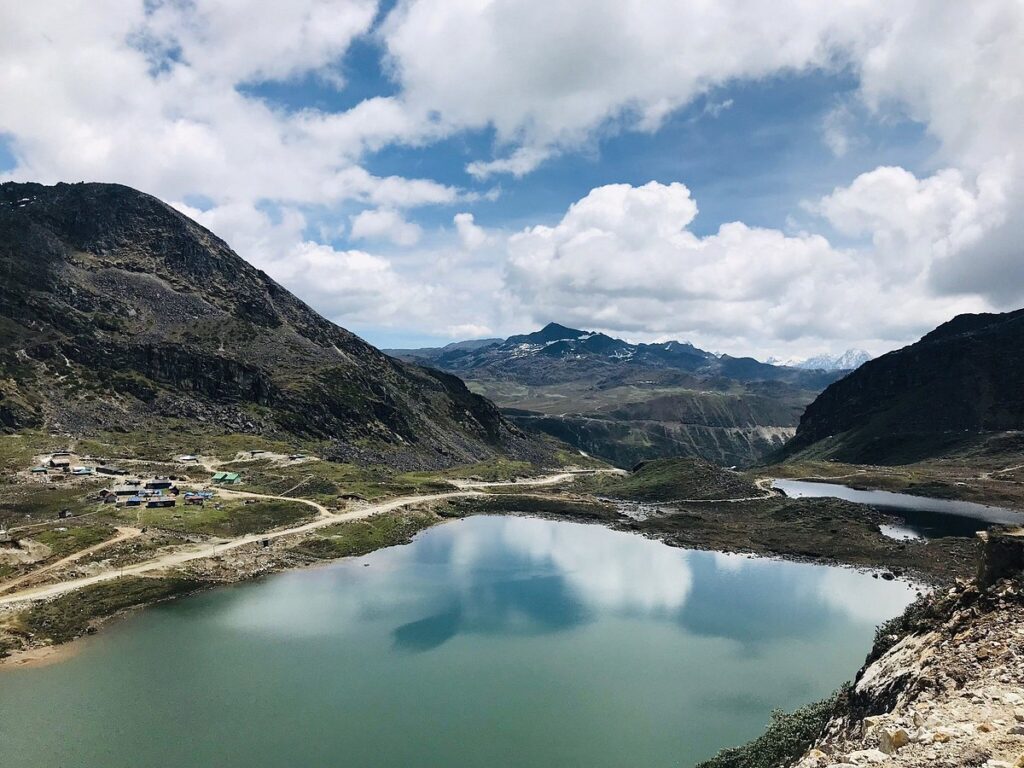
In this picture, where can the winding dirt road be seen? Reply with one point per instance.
(211, 549)
(123, 534)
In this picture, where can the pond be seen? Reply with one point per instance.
(922, 517)
(491, 641)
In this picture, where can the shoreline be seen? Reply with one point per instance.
(46, 653)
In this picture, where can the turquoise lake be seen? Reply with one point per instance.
(490, 641)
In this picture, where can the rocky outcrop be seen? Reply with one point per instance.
(116, 311)
(944, 686)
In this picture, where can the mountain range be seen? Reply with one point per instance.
(628, 402)
(849, 360)
(119, 313)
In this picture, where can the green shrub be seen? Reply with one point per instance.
(786, 738)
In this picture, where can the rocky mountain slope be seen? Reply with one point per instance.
(963, 380)
(118, 313)
(629, 402)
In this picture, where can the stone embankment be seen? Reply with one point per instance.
(946, 690)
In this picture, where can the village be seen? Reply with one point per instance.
(131, 483)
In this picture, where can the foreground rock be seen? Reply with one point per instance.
(944, 685)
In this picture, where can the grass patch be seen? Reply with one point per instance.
(31, 502)
(360, 537)
(668, 479)
(69, 616)
(73, 539)
(326, 481)
(508, 504)
(225, 518)
(786, 738)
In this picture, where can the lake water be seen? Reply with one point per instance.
(491, 641)
(922, 517)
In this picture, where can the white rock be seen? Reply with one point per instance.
(867, 757)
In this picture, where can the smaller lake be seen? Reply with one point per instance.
(922, 517)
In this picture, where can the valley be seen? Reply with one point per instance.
(172, 420)
(626, 402)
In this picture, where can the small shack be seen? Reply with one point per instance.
(81, 470)
(38, 470)
(194, 499)
(59, 462)
(227, 478)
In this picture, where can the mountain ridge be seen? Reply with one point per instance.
(116, 309)
(964, 378)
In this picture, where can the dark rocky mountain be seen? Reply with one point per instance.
(962, 380)
(628, 402)
(117, 311)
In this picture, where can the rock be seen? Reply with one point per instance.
(1018, 715)
(867, 757)
(891, 740)
(1017, 730)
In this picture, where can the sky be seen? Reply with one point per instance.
(772, 179)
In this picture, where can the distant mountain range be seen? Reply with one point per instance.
(627, 402)
(959, 383)
(849, 360)
(559, 353)
(119, 313)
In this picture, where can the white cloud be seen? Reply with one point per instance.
(155, 99)
(519, 163)
(246, 40)
(623, 259)
(470, 235)
(384, 224)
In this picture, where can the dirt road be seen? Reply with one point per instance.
(211, 549)
(123, 534)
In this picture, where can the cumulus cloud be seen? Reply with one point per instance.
(109, 91)
(384, 224)
(155, 95)
(623, 258)
(470, 235)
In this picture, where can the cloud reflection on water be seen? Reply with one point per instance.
(512, 575)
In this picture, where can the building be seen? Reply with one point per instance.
(194, 499)
(59, 462)
(160, 501)
(158, 484)
(81, 471)
(227, 478)
(133, 501)
(109, 469)
(38, 470)
(124, 490)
